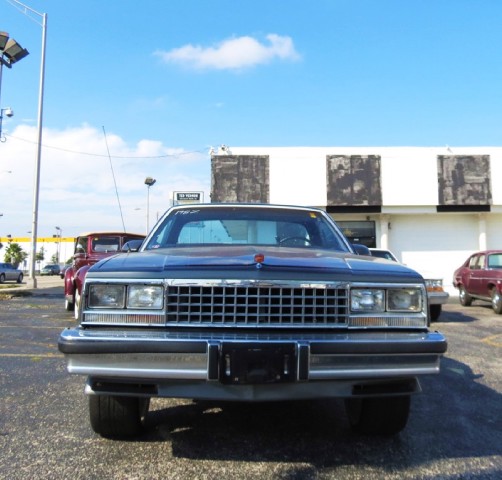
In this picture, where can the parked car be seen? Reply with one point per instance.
(89, 249)
(250, 302)
(9, 273)
(480, 278)
(435, 291)
(50, 270)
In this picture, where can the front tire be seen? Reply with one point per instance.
(114, 416)
(69, 306)
(496, 301)
(464, 298)
(435, 312)
(378, 415)
(76, 309)
(2, 278)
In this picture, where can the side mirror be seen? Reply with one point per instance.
(131, 246)
(361, 249)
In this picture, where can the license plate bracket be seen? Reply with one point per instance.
(253, 363)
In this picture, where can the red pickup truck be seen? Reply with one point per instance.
(89, 249)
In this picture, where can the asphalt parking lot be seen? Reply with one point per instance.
(454, 432)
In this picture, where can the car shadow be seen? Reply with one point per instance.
(455, 417)
(454, 317)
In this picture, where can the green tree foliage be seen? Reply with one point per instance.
(40, 255)
(14, 254)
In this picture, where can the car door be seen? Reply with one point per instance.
(491, 274)
(10, 273)
(477, 276)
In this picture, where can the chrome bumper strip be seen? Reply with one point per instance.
(141, 355)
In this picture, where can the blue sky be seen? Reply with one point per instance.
(166, 80)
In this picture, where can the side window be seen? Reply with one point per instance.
(495, 261)
(481, 262)
(81, 245)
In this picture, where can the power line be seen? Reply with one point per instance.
(167, 155)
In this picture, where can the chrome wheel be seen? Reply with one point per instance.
(464, 297)
(496, 301)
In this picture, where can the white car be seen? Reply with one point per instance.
(435, 292)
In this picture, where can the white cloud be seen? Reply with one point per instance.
(77, 189)
(233, 54)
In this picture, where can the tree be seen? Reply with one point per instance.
(39, 257)
(14, 254)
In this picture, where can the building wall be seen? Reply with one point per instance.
(432, 206)
(63, 248)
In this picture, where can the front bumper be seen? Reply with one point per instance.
(255, 366)
(437, 298)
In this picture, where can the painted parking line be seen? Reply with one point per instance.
(493, 340)
(31, 355)
(33, 326)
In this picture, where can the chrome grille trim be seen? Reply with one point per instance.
(123, 318)
(257, 305)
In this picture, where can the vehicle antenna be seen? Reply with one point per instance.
(114, 181)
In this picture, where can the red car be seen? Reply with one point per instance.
(480, 278)
(89, 249)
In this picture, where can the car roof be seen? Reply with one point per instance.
(89, 234)
(246, 205)
(486, 252)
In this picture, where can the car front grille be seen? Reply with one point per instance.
(248, 306)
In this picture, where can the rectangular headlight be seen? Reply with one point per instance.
(367, 300)
(404, 300)
(145, 296)
(106, 296)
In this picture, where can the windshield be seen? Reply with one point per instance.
(247, 226)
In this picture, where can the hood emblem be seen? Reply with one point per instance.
(259, 258)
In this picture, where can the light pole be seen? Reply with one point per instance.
(10, 53)
(59, 234)
(43, 23)
(149, 181)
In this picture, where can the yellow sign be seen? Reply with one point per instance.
(39, 239)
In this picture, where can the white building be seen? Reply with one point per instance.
(432, 206)
(55, 249)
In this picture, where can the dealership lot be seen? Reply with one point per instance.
(455, 428)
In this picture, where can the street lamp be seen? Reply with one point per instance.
(149, 181)
(10, 53)
(17, 54)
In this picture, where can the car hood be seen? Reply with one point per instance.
(185, 261)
